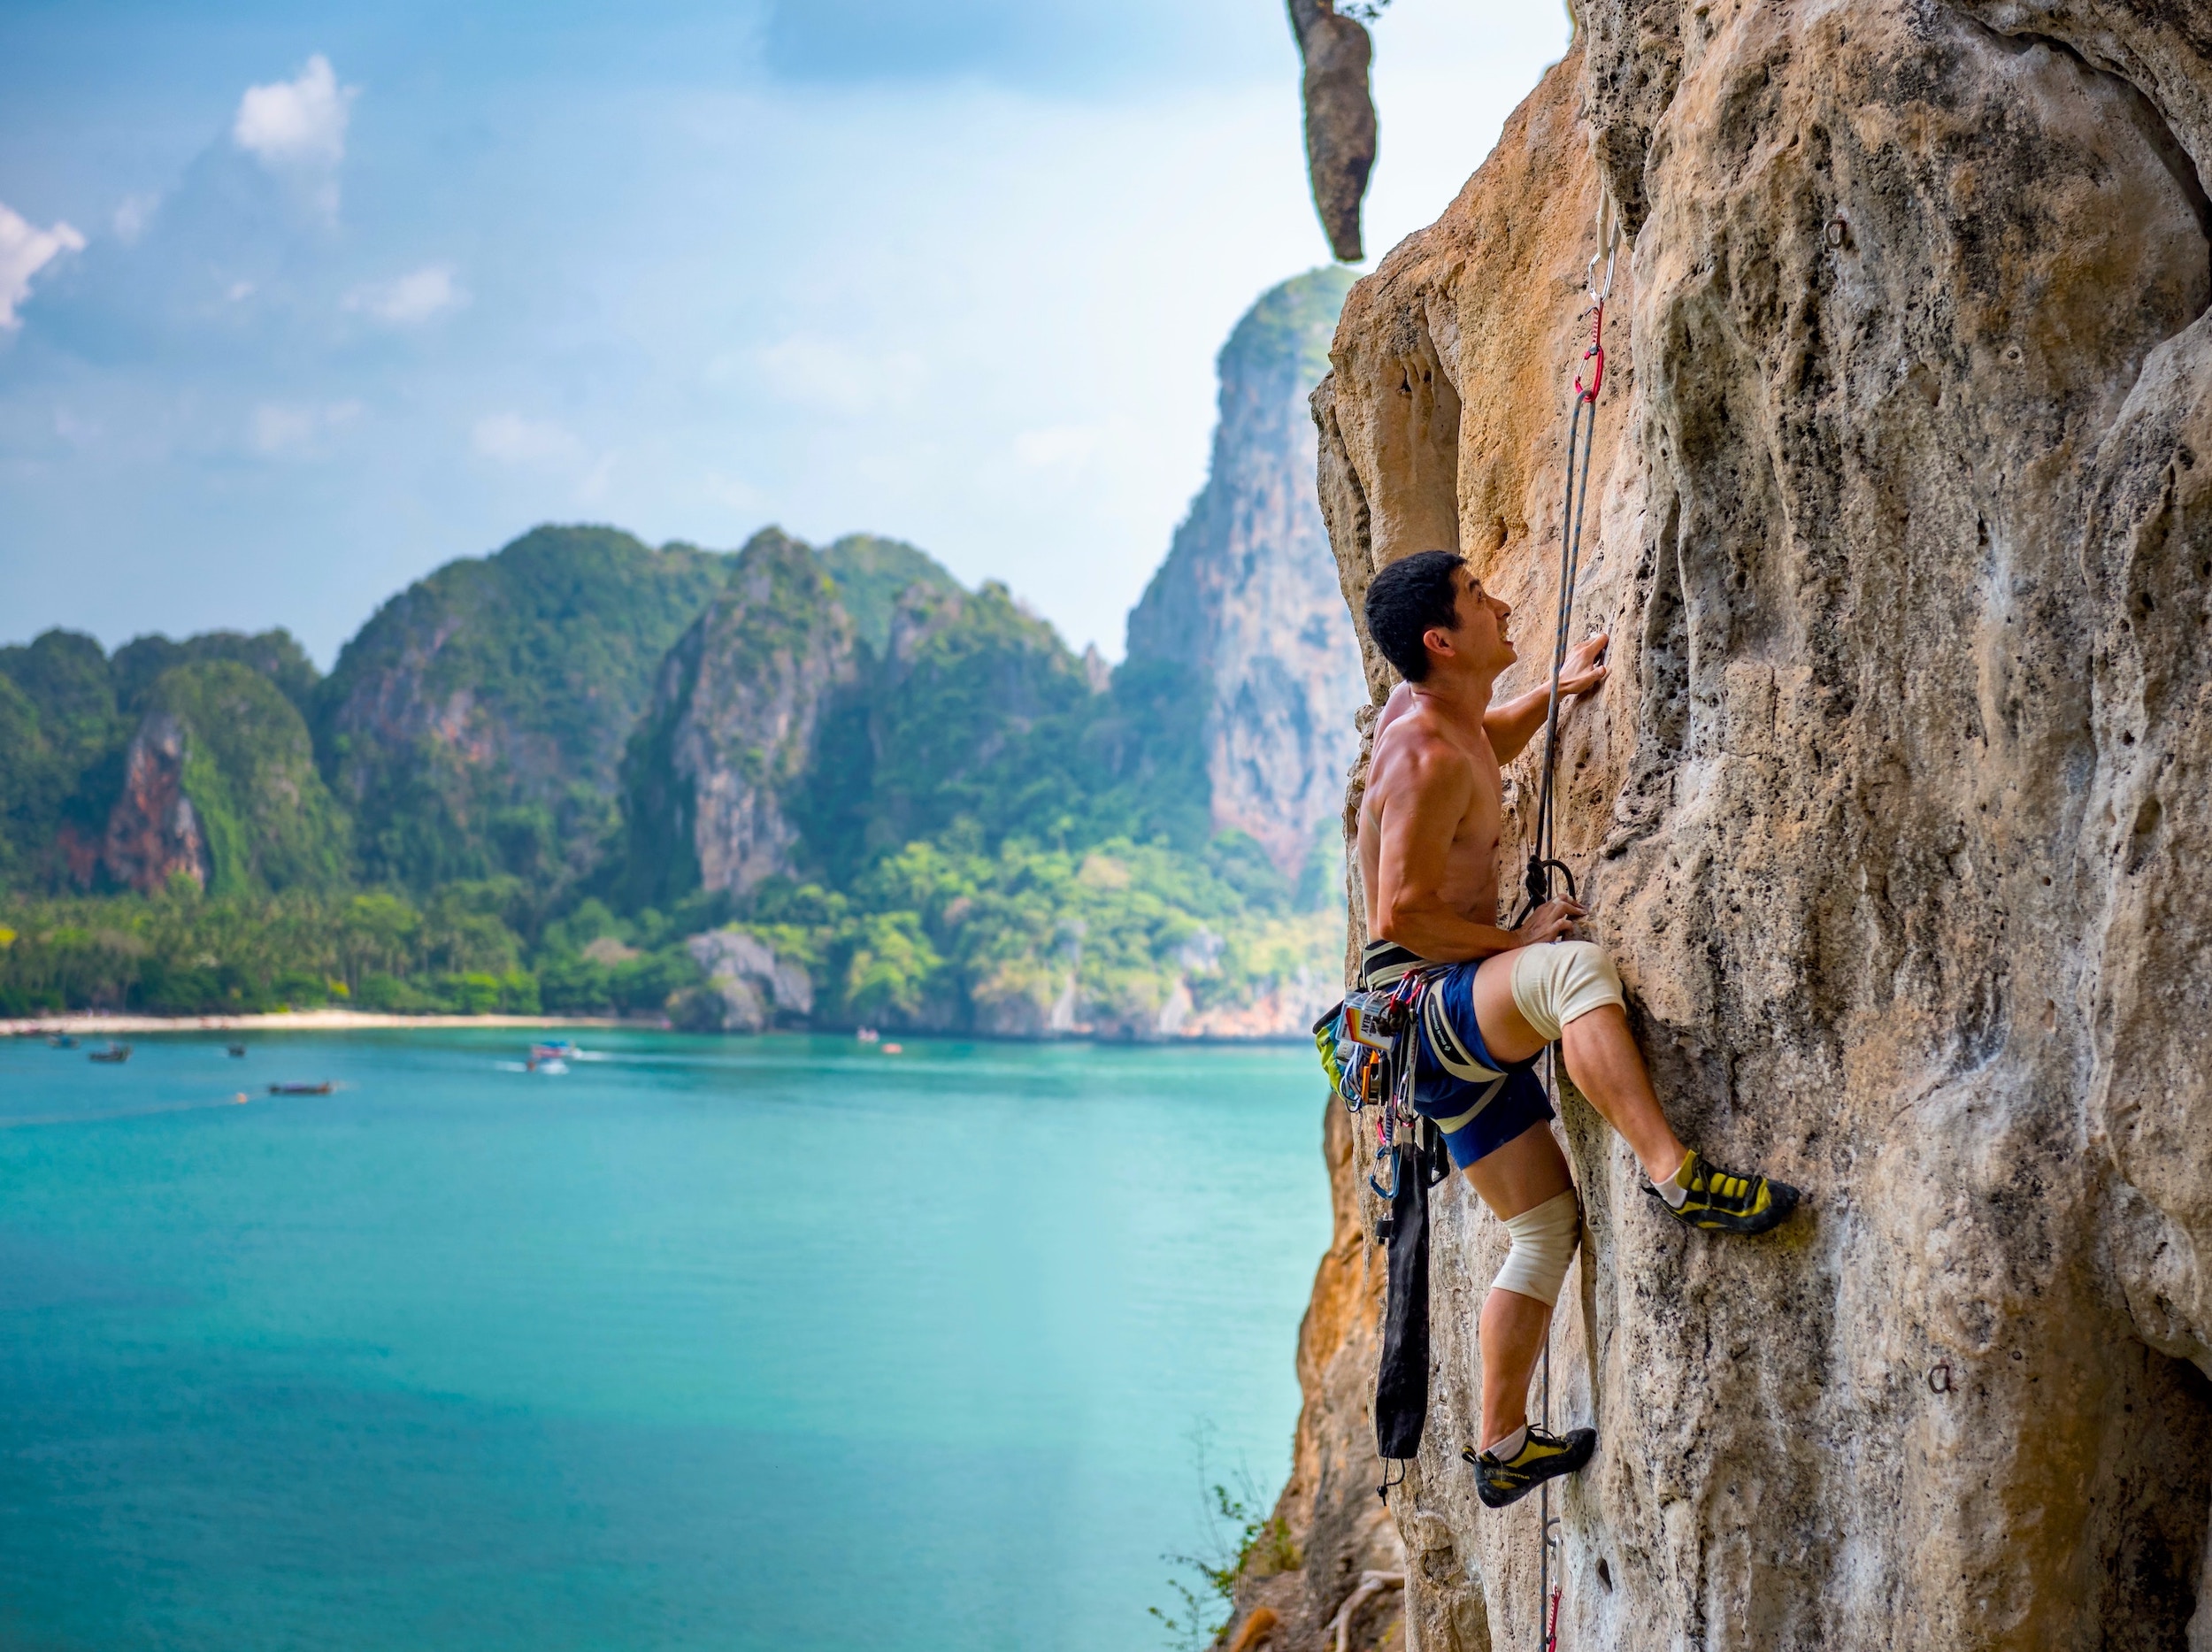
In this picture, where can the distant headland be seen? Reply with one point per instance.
(793, 785)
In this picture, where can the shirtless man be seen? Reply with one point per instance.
(1428, 847)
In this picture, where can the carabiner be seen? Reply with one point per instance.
(1397, 1168)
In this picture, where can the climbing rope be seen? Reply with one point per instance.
(1581, 435)
(1574, 513)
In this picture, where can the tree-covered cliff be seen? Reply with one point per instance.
(113, 770)
(729, 734)
(475, 725)
(941, 817)
(828, 782)
(248, 770)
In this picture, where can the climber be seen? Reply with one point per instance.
(1429, 825)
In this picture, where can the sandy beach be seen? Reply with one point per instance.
(290, 1021)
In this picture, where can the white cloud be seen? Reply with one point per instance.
(238, 292)
(283, 429)
(24, 252)
(409, 300)
(512, 438)
(132, 215)
(838, 377)
(292, 123)
(297, 129)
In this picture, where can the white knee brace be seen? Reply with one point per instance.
(1554, 981)
(1543, 1243)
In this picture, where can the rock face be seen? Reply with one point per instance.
(731, 732)
(1894, 812)
(75, 746)
(153, 831)
(749, 988)
(1247, 606)
(218, 785)
(1339, 118)
(476, 723)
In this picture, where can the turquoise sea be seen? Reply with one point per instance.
(770, 1343)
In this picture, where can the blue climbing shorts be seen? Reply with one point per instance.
(1476, 1105)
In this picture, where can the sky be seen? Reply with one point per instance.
(299, 301)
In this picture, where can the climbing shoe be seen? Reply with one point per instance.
(1722, 1201)
(1541, 1457)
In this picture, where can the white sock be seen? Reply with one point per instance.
(1509, 1448)
(1673, 1190)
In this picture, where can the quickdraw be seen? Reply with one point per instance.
(1367, 1045)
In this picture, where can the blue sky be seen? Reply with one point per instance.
(299, 301)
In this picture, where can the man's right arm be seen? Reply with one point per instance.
(1420, 817)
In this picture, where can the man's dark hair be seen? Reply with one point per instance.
(1405, 600)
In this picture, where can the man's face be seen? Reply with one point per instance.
(1478, 634)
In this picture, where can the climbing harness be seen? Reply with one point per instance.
(1542, 861)
(1370, 1046)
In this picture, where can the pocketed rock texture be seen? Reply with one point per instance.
(1894, 813)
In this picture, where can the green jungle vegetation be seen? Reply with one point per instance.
(1287, 333)
(477, 810)
(939, 934)
(474, 725)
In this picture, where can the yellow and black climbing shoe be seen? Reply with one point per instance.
(1541, 1457)
(1722, 1201)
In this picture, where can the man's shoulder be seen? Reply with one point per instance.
(1422, 747)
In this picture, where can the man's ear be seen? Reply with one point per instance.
(1438, 640)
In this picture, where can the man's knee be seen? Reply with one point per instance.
(1544, 1241)
(1558, 980)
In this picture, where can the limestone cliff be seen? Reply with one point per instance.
(476, 723)
(92, 787)
(1893, 811)
(153, 832)
(748, 987)
(731, 731)
(218, 786)
(924, 812)
(1246, 606)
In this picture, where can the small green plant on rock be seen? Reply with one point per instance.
(1241, 1541)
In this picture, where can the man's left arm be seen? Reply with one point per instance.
(1513, 724)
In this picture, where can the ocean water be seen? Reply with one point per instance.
(769, 1343)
